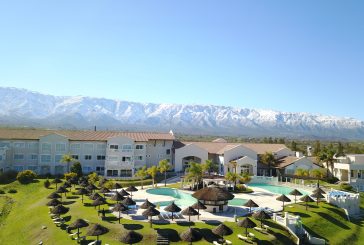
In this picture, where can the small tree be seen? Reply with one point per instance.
(26, 176)
(164, 166)
(152, 171)
(47, 183)
(77, 168)
(327, 156)
(70, 175)
(92, 178)
(141, 174)
(245, 178)
(67, 158)
(207, 166)
(232, 177)
(269, 159)
(194, 173)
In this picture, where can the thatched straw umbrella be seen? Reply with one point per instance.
(147, 204)
(260, 215)
(124, 193)
(150, 212)
(97, 230)
(117, 197)
(198, 205)
(318, 189)
(306, 199)
(116, 186)
(91, 188)
(128, 202)
(67, 185)
(79, 223)
(295, 193)
(54, 202)
(251, 204)
(95, 195)
(104, 190)
(131, 189)
(73, 181)
(317, 195)
(131, 237)
(83, 183)
(54, 195)
(246, 223)
(59, 209)
(283, 198)
(119, 207)
(82, 191)
(56, 181)
(213, 196)
(173, 208)
(99, 201)
(61, 190)
(222, 230)
(190, 211)
(191, 235)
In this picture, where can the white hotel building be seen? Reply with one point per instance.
(120, 154)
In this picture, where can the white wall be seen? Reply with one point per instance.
(189, 150)
(302, 163)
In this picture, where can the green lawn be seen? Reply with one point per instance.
(23, 224)
(329, 222)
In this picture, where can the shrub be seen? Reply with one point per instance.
(92, 178)
(26, 176)
(77, 169)
(12, 191)
(109, 184)
(2, 192)
(332, 180)
(240, 188)
(346, 187)
(47, 183)
(8, 177)
(70, 175)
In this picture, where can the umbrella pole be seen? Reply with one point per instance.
(246, 231)
(295, 199)
(172, 216)
(150, 221)
(119, 217)
(198, 211)
(283, 206)
(261, 223)
(306, 206)
(189, 218)
(78, 234)
(82, 198)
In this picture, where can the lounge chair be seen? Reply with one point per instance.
(216, 243)
(81, 238)
(241, 237)
(251, 235)
(266, 227)
(258, 229)
(228, 242)
(93, 243)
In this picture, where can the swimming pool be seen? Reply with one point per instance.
(275, 188)
(184, 199)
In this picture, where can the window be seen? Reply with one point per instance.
(147, 156)
(18, 168)
(45, 158)
(113, 158)
(19, 145)
(75, 147)
(112, 173)
(168, 151)
(88, 147)
(75, 157)
(100, 157)
(100, 169)
(87, 169)
(57, 158)
(127, 148)
(33, 168)
(3, 144)
(139, 147)
(88, 157)
(126, 173)
(114, 147)
(126, 159)
(18, 156)
(46, 147)
(101, 146)
(33, 145)
(1, 157)
(60, 147)
(139, 158)
(34, 157)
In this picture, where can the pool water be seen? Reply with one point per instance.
(184, 199)
(275, 188)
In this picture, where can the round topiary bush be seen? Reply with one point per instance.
(12, 191)
(47, 183)
(26, 176)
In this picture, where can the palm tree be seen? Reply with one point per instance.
(67, 158)
(152, 171)
(232, 177)
(234, 165)
(327, 156)
(195, 173)
(142, 173)
(207, 166)
(164, 166)
(269, 159)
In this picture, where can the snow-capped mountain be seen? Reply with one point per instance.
(19, 107)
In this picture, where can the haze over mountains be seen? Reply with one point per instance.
(20, 107)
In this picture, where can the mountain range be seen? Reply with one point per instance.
(20, 107)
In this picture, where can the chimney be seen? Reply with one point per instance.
(95, 129)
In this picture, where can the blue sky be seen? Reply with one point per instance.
(284, 55)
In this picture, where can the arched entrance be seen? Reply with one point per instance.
(187, 160)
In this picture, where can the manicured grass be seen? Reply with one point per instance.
(329, 222)
(23, 225)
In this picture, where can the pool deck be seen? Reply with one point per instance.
(261, 196)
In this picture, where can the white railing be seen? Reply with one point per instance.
(264, 179)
